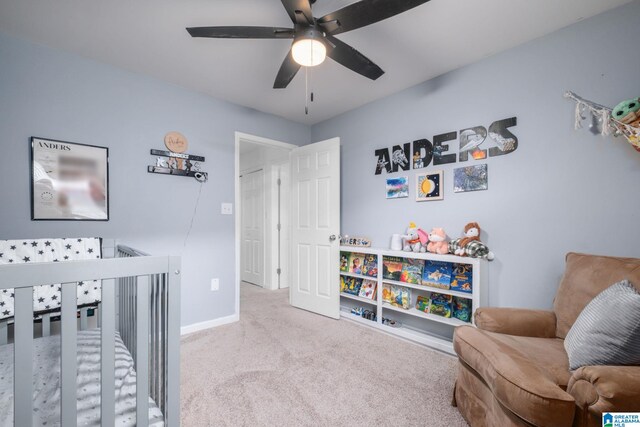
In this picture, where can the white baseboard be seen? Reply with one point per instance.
(195, 327)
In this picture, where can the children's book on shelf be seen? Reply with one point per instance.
(368, 289)
(343, 283)
(462, 277)
(387, 295)
(344, 262)
(423, 303)
(462, 309)
(392, 268)
(370, 265)
(440, 304)
(355, 263)
(400, 296)
(351, 285)
(412, 271)
(437, 274)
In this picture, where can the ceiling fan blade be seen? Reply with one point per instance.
(365, 12)
(345, 55)
(299, 11)
(242, 32)
(287, 72)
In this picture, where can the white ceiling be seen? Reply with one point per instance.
(148, 36)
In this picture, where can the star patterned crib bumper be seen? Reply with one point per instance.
(46, 298)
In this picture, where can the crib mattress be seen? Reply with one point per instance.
(46, 376)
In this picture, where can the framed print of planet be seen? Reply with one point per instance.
(398, 188)
(429, 186)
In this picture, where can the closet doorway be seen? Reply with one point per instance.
(263, 211)
(288, 198)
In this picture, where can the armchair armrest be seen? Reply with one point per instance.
(517, 321)
(598, 389)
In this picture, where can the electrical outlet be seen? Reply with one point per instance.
(226, 209)
(215, 284)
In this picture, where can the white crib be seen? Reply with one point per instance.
(140, 303)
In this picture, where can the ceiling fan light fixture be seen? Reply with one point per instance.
(308, 52)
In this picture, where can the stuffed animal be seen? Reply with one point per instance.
(470, 245)
(628, 112)
(415, 240)
(471, 233)
(438, 241)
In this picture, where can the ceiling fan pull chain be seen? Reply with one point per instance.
(311, 85)
(306, 90)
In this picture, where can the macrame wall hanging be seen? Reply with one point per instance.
(603, 121)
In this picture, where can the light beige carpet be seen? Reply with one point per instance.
(281, 366)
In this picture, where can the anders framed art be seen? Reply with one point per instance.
(69, 181)
(429, 186)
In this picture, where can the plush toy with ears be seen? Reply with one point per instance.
(470, 245)
(438, 241)
(415, 240)
(471, 233)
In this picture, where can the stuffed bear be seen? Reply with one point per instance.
(415, 239)
(438, 241)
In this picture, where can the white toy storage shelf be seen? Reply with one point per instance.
(424, 328)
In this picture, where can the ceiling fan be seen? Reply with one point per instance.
(313, 38)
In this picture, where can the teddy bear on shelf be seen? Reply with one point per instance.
(470, 245)
(438, 241)
(415, 239)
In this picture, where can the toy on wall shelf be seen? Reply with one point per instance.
(438, 241)
(628, 113)
(624, 119)
(470, 245)
(415, 239)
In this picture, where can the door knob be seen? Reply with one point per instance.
(332, 237)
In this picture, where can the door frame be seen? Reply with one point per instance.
(239, 138)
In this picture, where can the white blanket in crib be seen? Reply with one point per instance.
(46, 381)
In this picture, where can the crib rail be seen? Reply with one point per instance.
(129, 289)
(147, 313)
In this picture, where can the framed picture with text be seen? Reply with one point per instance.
(69, 181)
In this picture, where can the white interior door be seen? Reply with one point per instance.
(315, 226)
(285, 228)
(252, 227)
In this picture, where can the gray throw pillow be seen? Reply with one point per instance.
(607, 331)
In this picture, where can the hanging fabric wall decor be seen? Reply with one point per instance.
(602, 121)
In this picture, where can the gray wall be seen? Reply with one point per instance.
(53, 94)
(562, 190)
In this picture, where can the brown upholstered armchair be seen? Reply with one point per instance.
(513, 368)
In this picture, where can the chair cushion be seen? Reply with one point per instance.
(526, 375)
(607, 332)
(585, 277)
